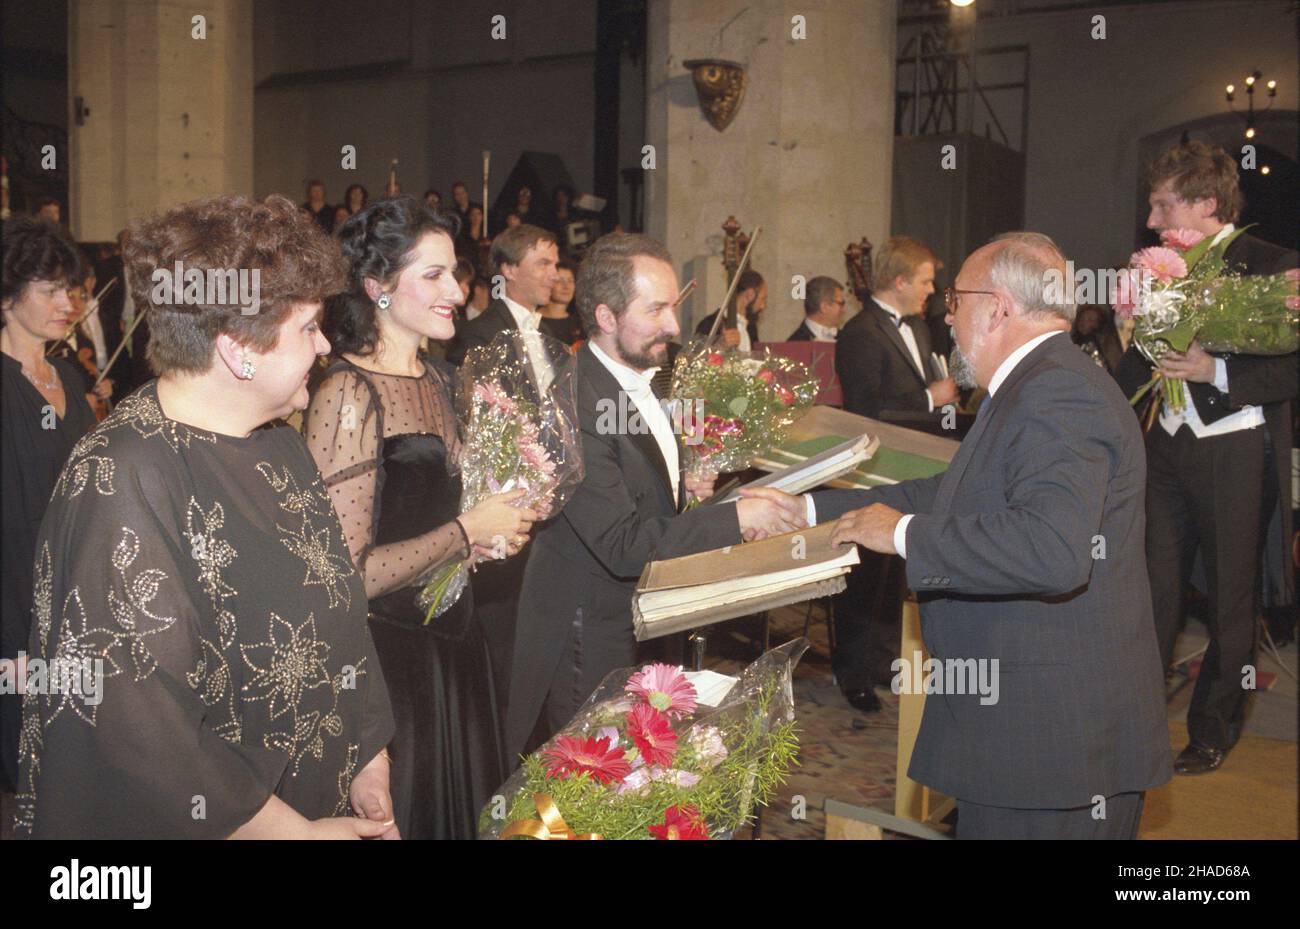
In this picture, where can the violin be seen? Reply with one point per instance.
(83, 352)
(858, 258)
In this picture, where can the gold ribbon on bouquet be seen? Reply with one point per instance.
(550, 826)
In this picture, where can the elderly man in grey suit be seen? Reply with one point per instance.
(1029, 552)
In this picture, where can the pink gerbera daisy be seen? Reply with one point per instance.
(1181, 239)
(653, 735)
(665, 688)
(1165, 263)
(594, 757)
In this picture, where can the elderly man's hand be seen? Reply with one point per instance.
(871, 527)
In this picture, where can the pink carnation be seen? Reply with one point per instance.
(1165, 263)
(532, 454)
(1181, 239)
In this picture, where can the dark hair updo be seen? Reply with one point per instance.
(378, 242)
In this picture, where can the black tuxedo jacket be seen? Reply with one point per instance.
(1003, 555)
(802, 334)
(703, 326)
(875, 368)
(480, 330)
(498, 584)
(585, 563)
(1268, 381)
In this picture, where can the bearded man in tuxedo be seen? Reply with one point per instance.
(575, 613)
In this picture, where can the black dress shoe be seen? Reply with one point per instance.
(1198, 759)
(864, 700)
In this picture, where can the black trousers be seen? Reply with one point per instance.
(594, 646)
(868, 621)
(1207, 495)
(1122, 814)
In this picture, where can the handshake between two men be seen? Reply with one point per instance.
(766, 511)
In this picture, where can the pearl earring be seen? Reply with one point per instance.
(246, 370)
(384, 301)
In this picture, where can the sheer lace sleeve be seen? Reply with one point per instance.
(344, 428)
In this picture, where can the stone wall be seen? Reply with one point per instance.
(170, 115)
(807, 157)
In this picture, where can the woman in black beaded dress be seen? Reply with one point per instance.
(382, 428)
(191, 574)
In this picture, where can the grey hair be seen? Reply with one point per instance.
(820, 290)
(1024, 267)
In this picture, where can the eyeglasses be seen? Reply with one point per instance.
(951, 295)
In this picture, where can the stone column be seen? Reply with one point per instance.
(807, 157)
(168, 115)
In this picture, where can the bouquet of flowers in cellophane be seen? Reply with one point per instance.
(735, 406)
(644, 760)
(1183, 290)
(519, 430)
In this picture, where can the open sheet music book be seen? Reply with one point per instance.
(816, 470)
(697, 590)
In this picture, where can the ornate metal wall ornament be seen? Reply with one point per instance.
(720, 86)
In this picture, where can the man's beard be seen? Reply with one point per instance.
(641, 359)
(961, 368)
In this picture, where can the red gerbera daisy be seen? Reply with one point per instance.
(680, 822)
(572, 756)
(665, 688)
(653, 735)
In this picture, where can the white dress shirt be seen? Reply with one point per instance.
(636, 384)
(909, 339)
(529, 323)
(1001, 374)
(1248, 417)
(525, 318)
(821, 333)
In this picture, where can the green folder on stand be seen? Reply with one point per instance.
(886, 466)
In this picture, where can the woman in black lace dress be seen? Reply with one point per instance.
(382, 428)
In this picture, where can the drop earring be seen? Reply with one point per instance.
(246, 370)
(384, 301)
